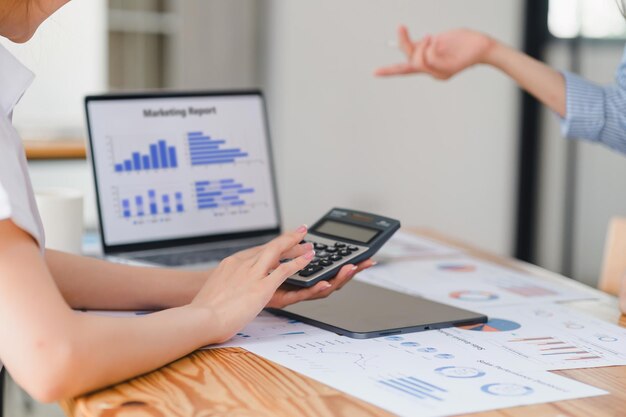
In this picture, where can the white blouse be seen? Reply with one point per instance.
(17, 200)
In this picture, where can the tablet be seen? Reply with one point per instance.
(364, 311)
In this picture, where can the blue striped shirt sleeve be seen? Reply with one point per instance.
(596, 113)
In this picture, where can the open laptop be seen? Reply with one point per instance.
(182, 179)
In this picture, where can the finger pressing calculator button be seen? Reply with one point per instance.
(326, 262)
(353, 248)
(336, 258)
(310, 270)
(331, 249)
(344, 252)
(320, 246)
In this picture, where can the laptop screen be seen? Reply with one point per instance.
(181, 166)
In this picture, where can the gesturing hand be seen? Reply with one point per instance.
(242, 284)
(441, 56)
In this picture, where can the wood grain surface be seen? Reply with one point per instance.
(234, 382)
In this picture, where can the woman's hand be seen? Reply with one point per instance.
(243, 284)
(441, 56)
(286, 296)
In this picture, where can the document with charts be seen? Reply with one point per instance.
(267, 327)
(468, 283)
(424, 374)
(549, 336)
(405, 246)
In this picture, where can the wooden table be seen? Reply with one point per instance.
(234, 382)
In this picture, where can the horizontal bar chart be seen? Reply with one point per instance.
(204, 150)
(415, 387)
(220, 193)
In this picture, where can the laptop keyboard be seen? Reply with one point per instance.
(190, 257)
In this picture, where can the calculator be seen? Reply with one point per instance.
(342, 237)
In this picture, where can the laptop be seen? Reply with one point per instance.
(182, 179)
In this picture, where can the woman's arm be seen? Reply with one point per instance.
(445, 55)
(588, 111)
(56, 353)
(539, 79)
(99, 285)
(95, 284)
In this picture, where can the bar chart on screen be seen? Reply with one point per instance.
(226, 192)
(207, 150)
(148, 205)
(159, 154)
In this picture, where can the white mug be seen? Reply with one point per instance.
(61, 211)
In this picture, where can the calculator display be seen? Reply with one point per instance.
(347, 231)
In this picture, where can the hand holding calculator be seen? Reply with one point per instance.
(343, 237)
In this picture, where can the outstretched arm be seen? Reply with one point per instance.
(445, 55)
(588, 111)
(96, 284)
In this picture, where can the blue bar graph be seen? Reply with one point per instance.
(160, 155)
(205, 150)
(220, 193)
(146, 162)
(154, 156)
(157, 204)
(415, 387)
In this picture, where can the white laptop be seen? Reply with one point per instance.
(182, 179)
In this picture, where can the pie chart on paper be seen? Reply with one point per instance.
(470, 295)
(493, 325)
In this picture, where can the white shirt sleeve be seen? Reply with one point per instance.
(17, 200)
(5, 204)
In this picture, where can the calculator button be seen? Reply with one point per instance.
(336, 258)
(322, 254)
(331, 249)
(326, 262)
(353, 248)
(320, 246)
(310, 270)
(316, 259)
(344, 252)
(340, 245)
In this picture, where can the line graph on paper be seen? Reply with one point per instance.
(331, 355)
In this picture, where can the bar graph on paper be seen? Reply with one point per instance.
(415, 387)
(550, 349)
(158, 155)
(151, 204)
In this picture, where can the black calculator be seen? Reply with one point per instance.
(342, 237)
